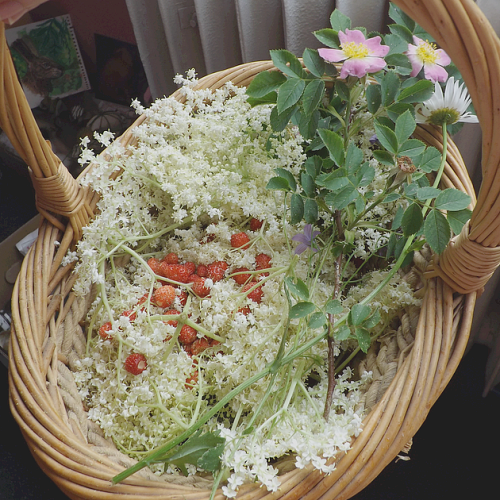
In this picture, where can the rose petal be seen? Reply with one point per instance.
(332, 55)
(442, 58)
(355, 36)
(435, 73)
(375, 48)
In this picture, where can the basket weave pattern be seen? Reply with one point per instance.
(47, 337)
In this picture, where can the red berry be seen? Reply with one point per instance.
(193, 278)
(192, 380)
(171, 258)
(240, 240)
(202, 270)
(154, 264)
(172, 322)
(135, 363)
(191, 266)
(187, 334)
(255, 224)
(164, 296)
(199, 287)
(131, 315)
(216, 270)
(174, 272)
(262, 261)
(199, 345)
(183, 296)
(103, 331)
(255, 295)
(241, 279)
(244, 310)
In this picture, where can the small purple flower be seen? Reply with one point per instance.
(305, 239)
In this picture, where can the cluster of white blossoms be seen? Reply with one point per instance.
(197, 169)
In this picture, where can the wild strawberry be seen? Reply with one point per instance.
(199, 287)
(175, 272)
(183, 296)
(192, 380)
(216, 270)
(164, 296)
(241, 279)
(191, 267)
(103, 331)
(262, 261)
(244, 310)
(131, 315)
(199, 345)
(154, 264)
(172, 322)
(255, 224)
(255, 295)
(202, 270)
(187, 348)
(240, 240)
(187, 335)
(171, 258)
(193, 278)
(135, 363)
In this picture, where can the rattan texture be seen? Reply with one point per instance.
(47, 335)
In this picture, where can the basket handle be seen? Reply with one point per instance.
(463, 31)
(57, 192)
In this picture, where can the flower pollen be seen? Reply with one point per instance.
(427, 52)
(355, 50)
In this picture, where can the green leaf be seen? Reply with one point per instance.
(328, 37)
(437, 231)
(286, 174)
(458, 219)
(353, 158)
(384, 157)
(365, 175)
(387, 138)
(195, 448)
(339, 21)
(401, 31)
(311, 212)
(301, 309)
(412, 148)
(211, 459)
(314, 62)
(373, 320)
(264, 83)
(427, 193)
(363, 337)
(308, 184)
(313, 95)
(452, 199)
(270, 98)
(398, 16)
(278, 184)
(358, 313)
(405, 126)
(279, 121)
(394, 111)
(341, 199)
(397, 44)
(334, 144)
(334, 307)
(313, 165)
(400, 62)
(287, 62)
(343, 333)
(418, 92)
(308, 124)
(297, 288)
(296, 208)
(429, 161)
(412, 219)
(318, 319)
(334, 181)
(398, 217)
(373, 98)
(389, 87)
(289, 93)
(343, 91)
(391, 245)
(391, 197)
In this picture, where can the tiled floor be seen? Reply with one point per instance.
(454, 455)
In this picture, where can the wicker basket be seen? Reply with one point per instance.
(71, 451)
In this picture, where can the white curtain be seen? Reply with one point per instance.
(210, 35)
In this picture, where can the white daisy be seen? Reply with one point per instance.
(450, 107)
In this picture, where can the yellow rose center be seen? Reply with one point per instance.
(427, 52)
(355, 50)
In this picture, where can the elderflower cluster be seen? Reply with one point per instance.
(196, 173)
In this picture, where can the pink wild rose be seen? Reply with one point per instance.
(425, 54)
(361, 55)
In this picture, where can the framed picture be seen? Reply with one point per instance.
(47, 59)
